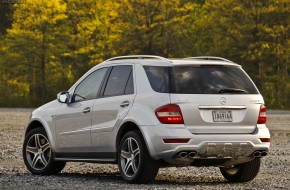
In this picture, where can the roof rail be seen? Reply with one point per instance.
(138, 57)
(209, 58)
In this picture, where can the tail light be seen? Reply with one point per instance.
(169, 114)
(262, 115)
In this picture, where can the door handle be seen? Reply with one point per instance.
(86, 110)
(125, 104)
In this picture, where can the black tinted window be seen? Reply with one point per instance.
(118, 80)
(158, 78)
(211, 80)
(130, 85)
(199, 80)
(89, 87)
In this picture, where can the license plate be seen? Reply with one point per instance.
(222, 116)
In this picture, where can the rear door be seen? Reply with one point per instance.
(216, 99)
(110, 109)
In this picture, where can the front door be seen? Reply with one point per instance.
(73, 121)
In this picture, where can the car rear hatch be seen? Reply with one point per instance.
(216, 99)
(207, 114)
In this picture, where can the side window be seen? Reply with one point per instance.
(158, 78)
(130, 85)
(89, 87)
(120, 81)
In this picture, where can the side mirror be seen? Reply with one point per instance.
(63, 97)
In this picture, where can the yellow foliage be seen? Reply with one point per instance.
(17, 88)
(265, 46)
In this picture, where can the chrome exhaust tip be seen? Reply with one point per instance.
(182, 154)
(264, 153)
(257, 154)
(192, 154)
(260, 153)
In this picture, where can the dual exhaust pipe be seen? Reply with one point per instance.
(190, 154)
(260, 153)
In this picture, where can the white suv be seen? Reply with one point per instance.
(145, 112)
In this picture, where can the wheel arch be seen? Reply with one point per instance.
(125, 127)
(33, 125)
(38, 124)
(132, 126)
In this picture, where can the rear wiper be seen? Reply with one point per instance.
(232, 90)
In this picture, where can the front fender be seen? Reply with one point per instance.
(36, 122)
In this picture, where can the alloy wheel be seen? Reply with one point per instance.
(38, 151)
(130, 157)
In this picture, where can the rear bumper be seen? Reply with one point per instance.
(205, 145)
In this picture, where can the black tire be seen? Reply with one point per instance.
(37, 154)
(243, 172)
(143, 167)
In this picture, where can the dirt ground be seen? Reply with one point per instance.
(274, 172)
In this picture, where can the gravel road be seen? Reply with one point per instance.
(274, 173)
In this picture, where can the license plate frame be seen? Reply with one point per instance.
(222, 116)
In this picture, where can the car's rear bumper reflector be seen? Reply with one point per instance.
(175, 140)
(265, 139)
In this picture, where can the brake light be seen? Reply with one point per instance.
(262, 115)
(169, 114)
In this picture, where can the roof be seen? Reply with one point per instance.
(161, 61)
(201, 62)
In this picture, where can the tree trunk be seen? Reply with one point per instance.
(43, 84)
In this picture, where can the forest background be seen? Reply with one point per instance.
(46, 45)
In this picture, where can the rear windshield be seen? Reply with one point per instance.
(199, 80)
